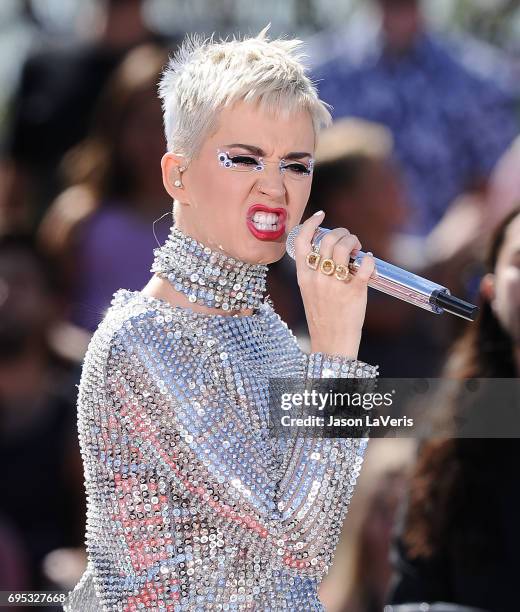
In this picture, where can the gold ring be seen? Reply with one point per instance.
(342, 272)
(313, 260)
(327, 266)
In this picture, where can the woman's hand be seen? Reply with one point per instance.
(335, 309)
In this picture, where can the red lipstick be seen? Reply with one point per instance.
(266, 234)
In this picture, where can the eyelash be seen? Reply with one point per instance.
(249, 160)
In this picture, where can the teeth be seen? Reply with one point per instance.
(265, 221)
(263, 217)
(265, 226)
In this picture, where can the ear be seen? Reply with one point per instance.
(487, 287)
(172, 166)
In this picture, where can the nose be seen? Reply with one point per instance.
(271, 182)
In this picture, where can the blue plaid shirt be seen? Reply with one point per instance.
(450, 126)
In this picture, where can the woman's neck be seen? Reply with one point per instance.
(217, 281)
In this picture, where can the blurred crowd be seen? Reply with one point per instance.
(421, 163)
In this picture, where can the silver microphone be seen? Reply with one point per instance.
(398, 282)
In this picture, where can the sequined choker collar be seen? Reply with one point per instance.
(208, 277)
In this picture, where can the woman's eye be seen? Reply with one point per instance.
(298, 168)
(244, 160)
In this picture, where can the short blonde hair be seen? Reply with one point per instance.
(204, 76)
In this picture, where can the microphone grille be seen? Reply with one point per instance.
(319, 233)
(290, 240)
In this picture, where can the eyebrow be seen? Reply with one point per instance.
(260, 152)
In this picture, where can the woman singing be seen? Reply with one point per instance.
(192, 505)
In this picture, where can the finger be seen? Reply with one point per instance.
(366, 269)
(345, 248)
(356, 249)
(329, 241)
(302, 242)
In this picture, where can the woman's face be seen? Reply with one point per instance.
(506, 284)
(216, 204)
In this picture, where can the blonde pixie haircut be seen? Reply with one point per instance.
(204, 76)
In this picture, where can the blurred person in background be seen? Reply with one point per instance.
(52, 108)
(450, 125)
(460, 538)
(357, 178)
(15, 567)
(100, 228)
(371, 570)
(41, 492)
(358, 183)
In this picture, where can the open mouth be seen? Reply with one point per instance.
(266, 221)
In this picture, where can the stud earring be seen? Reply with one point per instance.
(178, 182)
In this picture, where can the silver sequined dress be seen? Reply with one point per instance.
(191, 504)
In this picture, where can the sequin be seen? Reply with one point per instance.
(192, 505)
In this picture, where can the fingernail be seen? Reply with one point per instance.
(370, 253)
(320, 212)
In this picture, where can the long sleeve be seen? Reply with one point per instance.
(190, 500)
(319, 476)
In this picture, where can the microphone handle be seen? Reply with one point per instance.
(401, 284)
(409, 287)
